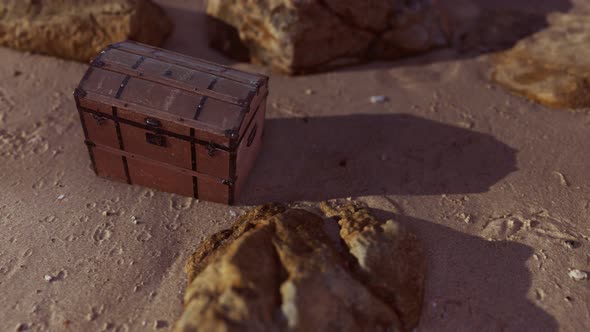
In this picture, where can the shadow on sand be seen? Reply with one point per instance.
(474, 284)
(335, 157)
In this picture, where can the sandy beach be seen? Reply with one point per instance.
(496, 186)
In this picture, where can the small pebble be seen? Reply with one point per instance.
(309, 92)
(48, 278)
(233, 213)
(134, 220)
(378, 99)
(60, 197)
(578, 275)
(22, 327)
(571, 244)
(160, 324)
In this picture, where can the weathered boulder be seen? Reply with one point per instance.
(552, 66)
(311, 35)
(79, 29)
(277, 269)
(390, 259)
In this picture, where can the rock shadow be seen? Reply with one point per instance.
(473, 284)
(322, 158)
(190, 35)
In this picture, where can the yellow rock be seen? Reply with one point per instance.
(79, 29)
(277, 269)
(552, 66)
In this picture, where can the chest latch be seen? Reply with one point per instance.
(152, 122)
(155, 139)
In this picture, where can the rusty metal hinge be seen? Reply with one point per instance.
(98, 63)
(100, 120)
(211, 149)
(79, 92)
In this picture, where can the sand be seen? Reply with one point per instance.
(496, 186)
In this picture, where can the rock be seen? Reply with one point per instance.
(399, 282)
(577, 275)
(160, 324)
(305, 36)
(79, 29)
(23, 327)
(483, 31)
(552, 66)
(277, 269)
(378, 99)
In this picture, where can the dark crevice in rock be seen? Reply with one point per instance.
(370, 54)
(226, 38)
(96, 24)
(282, 277)
(364, 56)
(345, 20)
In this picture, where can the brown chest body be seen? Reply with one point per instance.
(171, 122)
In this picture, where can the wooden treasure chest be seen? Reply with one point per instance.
(163, 120)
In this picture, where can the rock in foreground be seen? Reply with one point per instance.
(552, 66)
(278, 270)
(79, 29)
(312, 35)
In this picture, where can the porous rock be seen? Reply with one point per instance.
(79, 29)
(552, 66)
(295, 36)
(277, 269)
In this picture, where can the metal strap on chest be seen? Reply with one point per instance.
(138, 63)
(122, 87)
(204, 99)
(118, 126)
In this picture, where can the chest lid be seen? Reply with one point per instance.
(214, 100)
